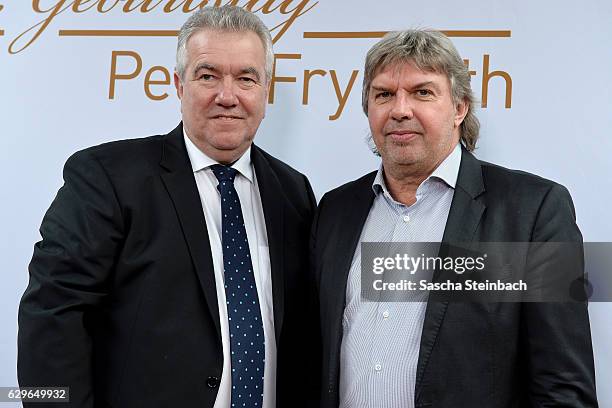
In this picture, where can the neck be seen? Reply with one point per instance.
(402, 183)
(225, 157)
(403, 180)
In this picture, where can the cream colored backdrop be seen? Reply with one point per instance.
(75, 73)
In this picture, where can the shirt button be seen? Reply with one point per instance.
(378, 367)
(406, 218)
(385, 314)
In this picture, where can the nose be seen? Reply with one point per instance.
(402, 107)
(226, 95)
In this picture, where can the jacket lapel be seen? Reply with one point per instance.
(183, 191)
(463, 219)
(466, 210)
(272, 200)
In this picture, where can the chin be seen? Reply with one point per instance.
(225, 141)
(232, 148)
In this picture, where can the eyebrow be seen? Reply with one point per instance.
(417, 86)
(426, 84)
(380, 88)
(209, 67)
(251, 70)
(204, 65)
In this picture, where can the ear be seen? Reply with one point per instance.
(461, 109)
(178, 85)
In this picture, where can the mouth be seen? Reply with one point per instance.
(403, 135)
(227, 118)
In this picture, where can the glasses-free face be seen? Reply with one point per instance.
(413, 119)
(223, 93)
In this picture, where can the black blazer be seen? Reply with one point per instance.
(121, 305)
(471, 354)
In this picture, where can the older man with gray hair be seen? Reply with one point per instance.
(171, 270)
(430, 188)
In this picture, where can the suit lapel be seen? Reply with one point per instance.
(183, 191)
(272, 200)
(466, 210)
(463, 219)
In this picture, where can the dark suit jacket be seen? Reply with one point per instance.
(471, 354)
(121, 305)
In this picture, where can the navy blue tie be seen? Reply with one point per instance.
(247, 344)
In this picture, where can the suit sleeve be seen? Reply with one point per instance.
(69, 272)
(556, 336)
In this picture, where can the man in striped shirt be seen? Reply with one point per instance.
(430, 188)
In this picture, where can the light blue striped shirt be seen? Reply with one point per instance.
(381, 340)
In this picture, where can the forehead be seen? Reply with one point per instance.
(242, 46)
(405, 74)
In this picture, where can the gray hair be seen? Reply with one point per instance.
(431, 51)
(226, 18)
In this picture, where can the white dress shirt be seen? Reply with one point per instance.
(254, 222)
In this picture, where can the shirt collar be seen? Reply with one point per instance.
(447, 171)
(200, 161)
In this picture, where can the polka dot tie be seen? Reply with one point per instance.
(245, 325)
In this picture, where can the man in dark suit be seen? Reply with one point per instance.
(172, 268)
(430, 188)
